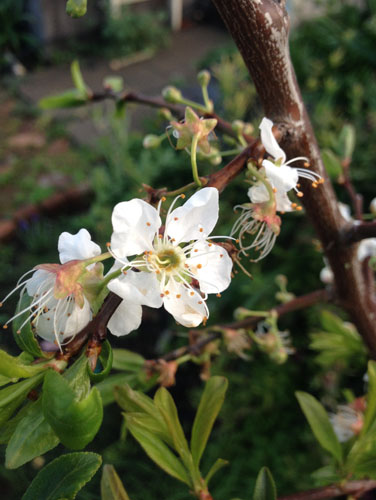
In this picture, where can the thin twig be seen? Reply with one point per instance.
(350, 488)
(358, 232)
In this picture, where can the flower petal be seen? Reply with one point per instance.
(139, 288)
(196, 218)
(77, 246)
(212, 266)
(125, 319)
(282, 178)
(186, 305)
(258, 193)
(283, 202)
(135, 223)
(269, 141)
(367, 248)
(40, 282)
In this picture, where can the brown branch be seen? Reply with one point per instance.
(350, 488)
(260, 30)
(293, 305)
(358, 232)
(356, 198)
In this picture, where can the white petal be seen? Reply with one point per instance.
(269, 142)
(196, 218)
(40, 282)
(139, 288)
(345, 211)
(283, 178)
(326, 275)
(186, 306)
(215, 265)
(77, 246)
(135, 223)
(125, 319)
(258, 193)
(367, 248)
(283, 202)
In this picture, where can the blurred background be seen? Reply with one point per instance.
(61, 170)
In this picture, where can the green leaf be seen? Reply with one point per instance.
(75, 422)
(32, 437)
(346, 142)
(218, 464)
(11, 366)
(165, 403)
(265, 487)
(7, 429)
(24, 337)
(125, 360)
(115, 83)
(209, 407)
(63, 477)
(19, 390)
(105, 359)
(107, 386)
(78, 78)
(76, 8)
(158, 451)
(68, 99)
(332, 163)
(370, 412)
(151, 424)
(111, 486)
(320, 424)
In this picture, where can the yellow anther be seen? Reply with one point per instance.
(167, 292)
(299, 194)
(176, 218)
(191, 294)
(201, 229)
(306, 164)
(219, 295)
(199, 266)
(162, 295)
(163, 198)
(182, 196)
(108, 244)
(178, 296)
(148, 224)
(199, 302)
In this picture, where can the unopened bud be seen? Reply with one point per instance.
(372, 206)
(241, 313)
(279, 356)
(248, 129)
(203, 78)
(172, 94)
(238, 126)
(151, 141)
(165, 114)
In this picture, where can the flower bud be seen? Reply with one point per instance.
(203, 78)
(172, 94)
(165, 114)
(248, 129)
(238, 126)
(151, 141)
(280, 356)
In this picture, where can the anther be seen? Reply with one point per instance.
(210, 244)
(314, 185)
(274, 190)
(167, 292)
(299, 194)
(18, 332)
(5, 327)
(178, 296)
(160, 236)
(196, 249)
(298, 185)
(125, 273)
(108, 244)
(201, 229)
(162, 295)
(182, 196)
(199, 302)
(191, 294)
(306, 164)
(176, 218)
(219, 295)
(221, 255)
(163, 198)
(148, 224)
(299, 208)
(199, 266)
(1, 304)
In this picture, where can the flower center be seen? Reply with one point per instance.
(168, 259)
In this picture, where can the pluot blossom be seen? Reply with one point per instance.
(58, 307)
(176, 266)
(348, 420)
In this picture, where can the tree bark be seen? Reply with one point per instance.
(260, 29)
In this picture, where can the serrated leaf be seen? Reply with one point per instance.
(158, 452)
(265, 487)
(166, 405)
(75, 422)
(25, 338)
(68, 99)
(76, 8)
(14, 367)
(218, 464)
(320, 424)
(77, 77)
(32, 437)
(105, 361)
(209, 407)
(63, 477)
(125, 360)
(111, 486)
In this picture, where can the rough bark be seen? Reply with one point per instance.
(260, 29)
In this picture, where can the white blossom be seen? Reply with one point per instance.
(346, 422)
(58, 308)
(176, 267)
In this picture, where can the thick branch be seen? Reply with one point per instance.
(350, 488)
(260, 29)
(358, 232)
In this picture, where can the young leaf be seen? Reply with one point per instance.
(7, 429)
(125, 360)
(149, 423)
(370, 413)
(11, 366)
(67, 99)
(115, 83)
(105, 359)
(346, 141)
(63, 477)
(111, 486)
(209, 407)
(265, 487)
(320, 424)
(158, 451)
(218, 464)
(332, 163)
(75, 422)
(25, 338)
(165, 403)
(77, 77)
(32, 437)
(76, 8)
(106, 388)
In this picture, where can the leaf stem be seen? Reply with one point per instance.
(194, 160)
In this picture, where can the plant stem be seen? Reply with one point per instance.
(194, 160)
